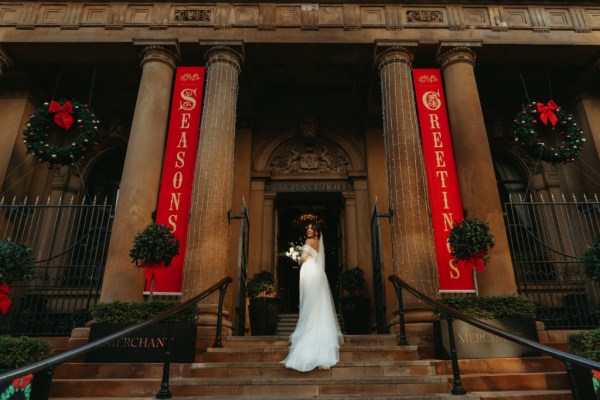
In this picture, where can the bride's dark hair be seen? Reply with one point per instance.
(316, 228)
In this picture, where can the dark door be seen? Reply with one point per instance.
(295, 212)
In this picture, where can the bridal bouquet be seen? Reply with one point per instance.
(294, 252)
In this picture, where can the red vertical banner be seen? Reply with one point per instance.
(174, 199)
(442, 180)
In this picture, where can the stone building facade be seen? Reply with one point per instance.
(309, 110)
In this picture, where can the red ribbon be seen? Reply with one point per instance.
(4, 299)
(546, 112)
(22, 382)
(474, 262)
(62, 114)
(149, 269)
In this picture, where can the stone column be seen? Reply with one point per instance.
(412, 236)
(207, 251)
(138, 194)
(474, 165)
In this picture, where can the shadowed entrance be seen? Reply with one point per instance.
(294, 212)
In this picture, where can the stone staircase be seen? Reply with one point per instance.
(371, 367)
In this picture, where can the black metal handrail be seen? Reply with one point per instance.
(568, 359)
(50, 363)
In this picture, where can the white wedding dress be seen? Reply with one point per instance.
(317, 338)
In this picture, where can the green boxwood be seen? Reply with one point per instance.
(21, 351)
(353, 281)
(492, 307)
(261, 282)
(119, 312)
(591, 260)
(585, 344)
(16, 262)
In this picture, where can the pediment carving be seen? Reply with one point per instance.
(318, 156)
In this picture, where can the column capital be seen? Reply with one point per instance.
(394, 55)
(225, 54)
(161, 53)
(456, 54)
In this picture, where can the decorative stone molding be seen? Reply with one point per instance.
(224, 54)
(305, 16)
(194, 15)
(424, 16)
(457, 54)
(160, 54)
(316, 156)
(394, 54)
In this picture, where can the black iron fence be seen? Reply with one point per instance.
(69, 243)
(547, 238)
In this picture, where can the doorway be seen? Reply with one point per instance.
(294, 212)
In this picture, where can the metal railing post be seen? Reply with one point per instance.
(402, 341)
(164, 392)
(571, 376)
(456, 385)
(218, 343)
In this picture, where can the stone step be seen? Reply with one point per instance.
(526, 395)
(310, 386)
(519, 381)
(355, 369)
(501, 365)
(263, 387)
(283, 340)
(276, 354)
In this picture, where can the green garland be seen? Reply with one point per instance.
(526, 124)
(35, 135)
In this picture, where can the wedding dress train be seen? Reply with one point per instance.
(317, 338)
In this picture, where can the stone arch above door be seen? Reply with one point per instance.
(315, 156)
(332, 154)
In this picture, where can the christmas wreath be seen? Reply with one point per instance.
(470, 240)
(68, 115)
(527, 122)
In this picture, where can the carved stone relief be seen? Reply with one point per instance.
(424, 16)
(318, 156)
(193, 15)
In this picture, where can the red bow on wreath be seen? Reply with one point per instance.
(546, 112)
(474, 262)
(62, 114)
(4, 299)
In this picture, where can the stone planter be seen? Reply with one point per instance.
(356, 311)
(472, 342)
(146, 345)
(264, 313)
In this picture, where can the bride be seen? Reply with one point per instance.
(317, 338)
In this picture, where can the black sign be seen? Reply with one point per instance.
(146, 345)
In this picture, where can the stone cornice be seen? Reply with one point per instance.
(540, 17)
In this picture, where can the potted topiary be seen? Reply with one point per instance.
(355, 302)
(587, 345)
(470, 241)
(20, 352)
(591, 260)
(16, 264)
(154, 247)
(149, 343)
(264, 303)
(512, 313)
